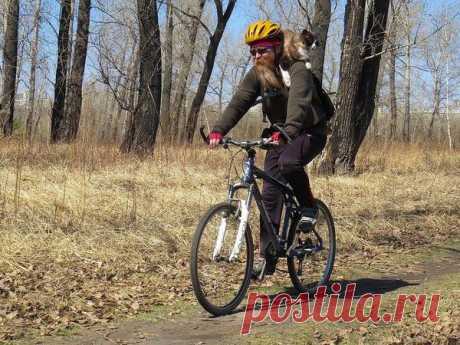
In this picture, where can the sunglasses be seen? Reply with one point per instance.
(260, 51)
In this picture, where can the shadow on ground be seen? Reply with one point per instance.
(362, 286)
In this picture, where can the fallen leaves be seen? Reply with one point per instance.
(57, 295)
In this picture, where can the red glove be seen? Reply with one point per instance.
(276, 136)
(215, 138)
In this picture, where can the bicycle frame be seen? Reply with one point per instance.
(248, 181)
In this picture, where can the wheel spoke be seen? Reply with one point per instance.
(316, 251)
(219, 283)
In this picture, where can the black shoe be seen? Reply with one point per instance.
(308, 219)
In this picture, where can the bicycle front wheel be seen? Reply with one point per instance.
(220, 272)
(316, 253)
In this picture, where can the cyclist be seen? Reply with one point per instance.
(298, 108)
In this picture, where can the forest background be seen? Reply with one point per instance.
(103, 176)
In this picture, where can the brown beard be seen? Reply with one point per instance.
(268, 76)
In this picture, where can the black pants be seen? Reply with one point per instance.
(286, 163)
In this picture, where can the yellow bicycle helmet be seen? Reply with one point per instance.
(262, 29)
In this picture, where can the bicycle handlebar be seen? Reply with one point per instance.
(247, 144)
(244, 144)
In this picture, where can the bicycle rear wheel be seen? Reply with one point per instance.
(314, 266)
(218, 282)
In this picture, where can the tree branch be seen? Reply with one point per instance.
(203, 25)
(219, 9)
(307, 14)
(397, 47)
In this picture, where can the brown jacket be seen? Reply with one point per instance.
(299, 108)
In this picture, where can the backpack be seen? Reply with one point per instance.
(326, 101)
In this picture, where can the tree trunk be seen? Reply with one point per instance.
(21, 48)
(73, 109)
(33, 69)
(392, 37)
(10, 61)
(407, 87)
(58, 125)
(127, 96)
(186, 58)
(214, 41)
(359, 69)
(350, 74)
(374, 40)
(167, 79)
(436, 104)
(378, 102)
(393, 104)
(143, 128)
(130, 92)
(321, 21)
(73, 11)
(220, 91)
(449, 129)
(108, 130)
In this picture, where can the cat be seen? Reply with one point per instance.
(295, 47)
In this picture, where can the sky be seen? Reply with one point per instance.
(245, 12)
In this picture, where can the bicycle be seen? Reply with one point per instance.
(223, 250)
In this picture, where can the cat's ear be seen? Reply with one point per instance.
(308, 37)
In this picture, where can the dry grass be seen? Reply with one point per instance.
(87, 234)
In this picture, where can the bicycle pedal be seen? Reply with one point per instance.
(302, 250)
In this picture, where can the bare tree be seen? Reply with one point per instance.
(58, 125)
(73, 10)
(168, 70)
(109, 130)
(410, 37)
(439, 56)
(447, 38)
(392, 69)
(143, 129)
(191, 24)
(74, 99)
(214, 40)
(10, 61)
(359, 70)
(33, 70)
(320, 26)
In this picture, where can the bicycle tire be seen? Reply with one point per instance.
(326, 273)
(200, 294)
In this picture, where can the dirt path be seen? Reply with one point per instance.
(439, 265)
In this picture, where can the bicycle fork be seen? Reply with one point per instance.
(243, 208)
